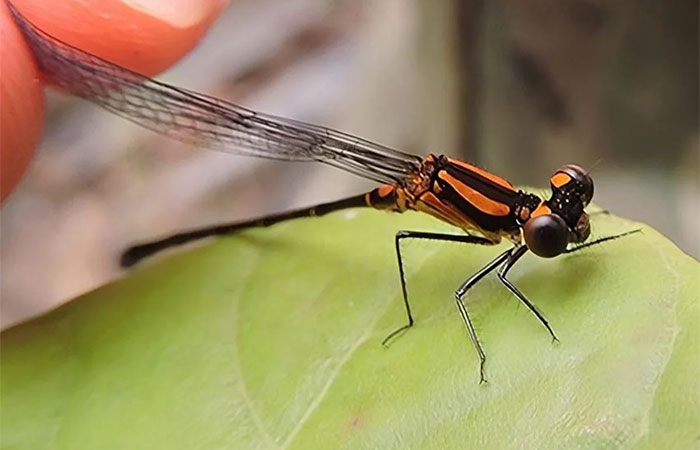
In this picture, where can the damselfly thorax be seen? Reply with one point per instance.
(473, 199)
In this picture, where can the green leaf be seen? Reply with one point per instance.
(271, 339)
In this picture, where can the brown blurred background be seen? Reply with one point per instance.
(517, 87)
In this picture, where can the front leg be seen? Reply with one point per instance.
(517, 253)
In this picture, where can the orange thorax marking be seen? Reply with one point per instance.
(476, 198)
(541, 210)
(429, 203)
(496, 179)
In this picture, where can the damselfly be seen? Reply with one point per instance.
(488, 208)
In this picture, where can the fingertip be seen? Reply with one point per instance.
(21, 104)
(179, 13)
(146, 36)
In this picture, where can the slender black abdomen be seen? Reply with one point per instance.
(138, 252)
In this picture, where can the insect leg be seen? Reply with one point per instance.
(600, 241)
(515, 255)
(403, 234)
(461, 292)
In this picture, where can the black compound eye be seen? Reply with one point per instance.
(576, 178)
(547, 235)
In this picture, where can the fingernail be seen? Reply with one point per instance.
(179, 13)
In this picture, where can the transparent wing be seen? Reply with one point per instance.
(207, 121)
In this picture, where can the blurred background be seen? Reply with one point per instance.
(519, 88)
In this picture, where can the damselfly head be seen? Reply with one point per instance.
(572, 190)
(561, 219)
(582, 229)
(574, 181)
(546, 235)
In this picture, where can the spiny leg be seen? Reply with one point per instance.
(404, 234)
(461, 292)
(579, 247)
(515, 255)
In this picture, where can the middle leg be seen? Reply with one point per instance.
(459, 296)
(403, 234)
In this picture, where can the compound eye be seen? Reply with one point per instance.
(570, 173)
(546, 235)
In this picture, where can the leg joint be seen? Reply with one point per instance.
(402, 234)
(502, 272)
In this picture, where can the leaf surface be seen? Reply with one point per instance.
(271, 339)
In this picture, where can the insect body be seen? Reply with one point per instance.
(484, 205)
